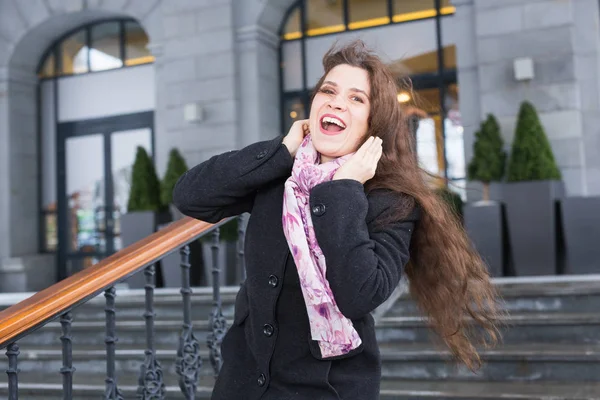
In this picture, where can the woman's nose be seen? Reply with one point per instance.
(337, 104)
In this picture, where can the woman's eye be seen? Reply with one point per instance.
(327, 91)
(357, 98)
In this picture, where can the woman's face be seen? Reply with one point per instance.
(339, 113)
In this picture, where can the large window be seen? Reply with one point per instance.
(408, 34)
(323, 17)
(100, 46)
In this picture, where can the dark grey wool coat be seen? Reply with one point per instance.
(268, 352)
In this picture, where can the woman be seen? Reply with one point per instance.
(339, 208)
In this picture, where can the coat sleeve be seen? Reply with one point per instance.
(364, 260)
(226, 184)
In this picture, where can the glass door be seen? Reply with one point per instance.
(94, 173)
(85, 231)
(124, 146)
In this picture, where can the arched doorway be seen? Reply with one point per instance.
(96, 102)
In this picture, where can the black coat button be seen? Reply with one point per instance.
(273, 281)
(268, 330)
(262, 379)
(318, 209)
(261, 155)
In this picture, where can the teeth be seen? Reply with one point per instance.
(334, 121)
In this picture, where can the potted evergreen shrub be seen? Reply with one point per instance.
(145, 212)
(200, 250)
(176, 167)
(484, 219)
(530, 195)
(170, 264)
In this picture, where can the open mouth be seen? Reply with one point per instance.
(332, 125)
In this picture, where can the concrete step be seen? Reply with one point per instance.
(390, 390)
(506, 363)
(532, 295)
(530, 362)
(564, 294)
(43, 391)
(558, 328)
(421, 390)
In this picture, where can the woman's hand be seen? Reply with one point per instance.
(363, 164)
(295, 136)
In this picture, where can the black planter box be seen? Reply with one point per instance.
(136, 226)
(581, 225)
(531, 211)
(484, 224)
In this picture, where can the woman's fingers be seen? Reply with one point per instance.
(365, 147)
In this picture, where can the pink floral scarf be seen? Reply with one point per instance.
(333, 331)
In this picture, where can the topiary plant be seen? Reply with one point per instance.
(489, 158)
(145, 187)
(531, 157)
(175, 168)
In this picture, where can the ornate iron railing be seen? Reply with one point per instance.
(59, 300)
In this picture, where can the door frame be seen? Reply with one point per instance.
(105, 126)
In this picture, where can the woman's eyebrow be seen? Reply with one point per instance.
(352, 89)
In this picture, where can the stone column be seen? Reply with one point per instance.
(258, 84)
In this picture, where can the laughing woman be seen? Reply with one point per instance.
(339, 210)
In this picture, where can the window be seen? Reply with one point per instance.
(292, 28)
(136, 45)
(97, 47)
(411, 10)
(106, 47)
(294, 110)
(367, 13)
(418, 64)
(74, 54)
(49, 67)
(324, 16)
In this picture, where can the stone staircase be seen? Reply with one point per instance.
(551, 347)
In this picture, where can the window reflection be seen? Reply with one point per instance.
(74, 54)
(293, 111)
(450, 57)
(50, 229)
(106, 47)
(367, 13)
(430, 140)
(427, 150)
(455, 151)
(324, 16)
(136, 45)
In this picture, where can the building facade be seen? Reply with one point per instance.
(83, 83)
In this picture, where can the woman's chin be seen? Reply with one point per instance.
(328, 152)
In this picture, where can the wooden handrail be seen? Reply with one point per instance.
(35, 311)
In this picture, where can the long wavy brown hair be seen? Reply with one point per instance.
(447, 277)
